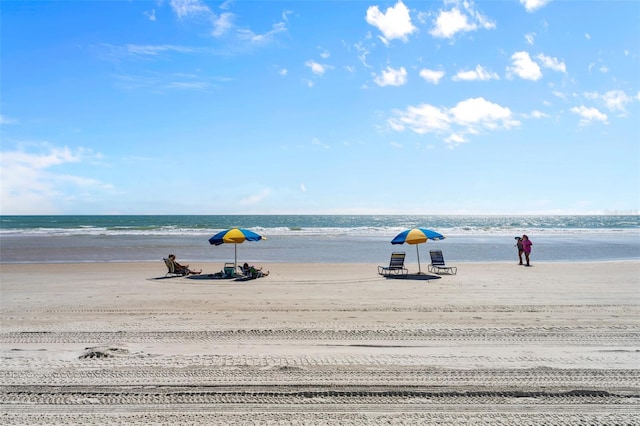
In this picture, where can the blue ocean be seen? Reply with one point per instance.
(314, 238)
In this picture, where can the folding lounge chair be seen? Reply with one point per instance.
(437, 263)
(171, 269)
(396, 265)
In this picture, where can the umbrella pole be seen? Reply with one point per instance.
(418, 253)
(235, 257)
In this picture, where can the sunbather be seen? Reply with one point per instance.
(182, 269)
(253, 272)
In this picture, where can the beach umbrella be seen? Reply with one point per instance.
(235, 236)
(417, 236)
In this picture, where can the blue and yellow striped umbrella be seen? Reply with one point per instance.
(235, 236)
(417, 236)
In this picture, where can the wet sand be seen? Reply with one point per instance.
(117, 343)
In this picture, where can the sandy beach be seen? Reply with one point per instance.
(116, 343)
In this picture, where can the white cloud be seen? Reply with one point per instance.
(248, 35)
(614, 100)
(317, 142)
(480, 113)
(530, 37)
(184, 8)
(478, 74)
(223, 24)
(303, 187)
(316, 68)
(589, 115)
(432, 76)
(461, 18)
(538, 114)
(362, 54)
(152, 50)
(468, 117)
(151, 15)
(392, 77)
(283, 72)
(524, 67)
(394, 24)
(29, 186)
(552, 63)
(422, 119)
(533, 5)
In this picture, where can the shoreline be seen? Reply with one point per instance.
(423, 262)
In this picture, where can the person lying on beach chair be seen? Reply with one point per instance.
(252, 271)
(180, 269)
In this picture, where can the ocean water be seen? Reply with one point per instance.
(314, 238)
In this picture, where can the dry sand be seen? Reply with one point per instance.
(556, 343)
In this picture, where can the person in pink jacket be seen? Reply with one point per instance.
(526, 247)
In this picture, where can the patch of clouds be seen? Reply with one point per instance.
(392, 77)
(533, 5)
(552, 63)
(589, 115)
(222, 25)
(530, 38)
(151, 15)
(186, 8)
(524, 67)
(225, 23)
(461, 18)
(151, 50)
(394, 23)
(614, 100)
(33, 180)
(432, 76)
(316, 67)
(469, 117)
(479, 73)
(303, 187)
(268, 37)
(363, 52)
(159, 83)
(537, 114)
(317, 142)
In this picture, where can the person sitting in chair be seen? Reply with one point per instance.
(252, 271)
(182, 269)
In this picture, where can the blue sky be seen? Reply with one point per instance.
(346, 107)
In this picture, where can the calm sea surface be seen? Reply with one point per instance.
(313, 238)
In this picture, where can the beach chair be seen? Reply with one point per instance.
(171, 269)
(396, 265)
(437, 264)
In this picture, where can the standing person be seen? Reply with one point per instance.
(526, 247)
(520, 248)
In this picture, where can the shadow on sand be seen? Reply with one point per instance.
(424, 277)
